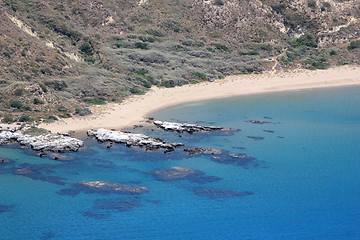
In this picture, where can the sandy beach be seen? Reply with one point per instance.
(136, 108)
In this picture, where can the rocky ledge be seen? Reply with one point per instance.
(185, 127)
(132, 139)
(46, 142)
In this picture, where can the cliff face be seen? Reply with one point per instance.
(67, 54)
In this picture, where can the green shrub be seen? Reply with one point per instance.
(155, 33)
(16, 104)
(279, 8)
(136, 91)
(311, 4)
(57, 85)
(308, 40)
(25, 118)
(34, 131)
(19, 92)
(7, 54)
(146, 83)
(168, 84)
(52, 117)
(27, 108)
(86, 49)
(199, 76)
(221, 47)
(250, 53)
(120, 44)
(62, 109)
(43, 88)
(65, 115)
(96, 101)
(7, 119)
(140, 71)
(354, 45)
(141, 45)
(147, 39)
(82, 111)
(37, 101)
(333, 52)
(218, 3)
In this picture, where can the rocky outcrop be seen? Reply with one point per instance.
(47, 142)
(185, 127)
(132, 139)
(199, 150)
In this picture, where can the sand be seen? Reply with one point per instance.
(135, 109)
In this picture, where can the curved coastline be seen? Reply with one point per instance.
(135, 108)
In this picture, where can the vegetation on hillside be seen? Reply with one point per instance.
(81, 53)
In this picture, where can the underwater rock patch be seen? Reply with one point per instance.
(91, 214)
(256, 138)
(183, 173)
(199, 150)
(269, 131)
(239, 159)
(132, 139)
(5, 161)
(185, 127)
(35, 174)
(5, 208)
(121, 205)
(219, 193)
(102, 187)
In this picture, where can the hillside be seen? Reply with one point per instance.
(57, 57)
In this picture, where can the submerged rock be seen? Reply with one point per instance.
(219, 193)
(103, 186)
(198, 150)
(240, 159)
(256, 138)
(4, 161)
(35, 174)
(132, 139)
(185, 127)
(183, 173)
(5, 208)
(47, 142)
(121, 205)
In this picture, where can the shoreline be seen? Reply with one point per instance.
(136, 108)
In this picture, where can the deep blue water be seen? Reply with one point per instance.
(305, 177)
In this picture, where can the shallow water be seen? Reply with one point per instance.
(302, 182)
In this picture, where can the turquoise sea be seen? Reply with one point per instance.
(301, 179)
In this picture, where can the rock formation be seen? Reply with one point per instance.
(132, 139)
(47, 142)
(185, 127)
